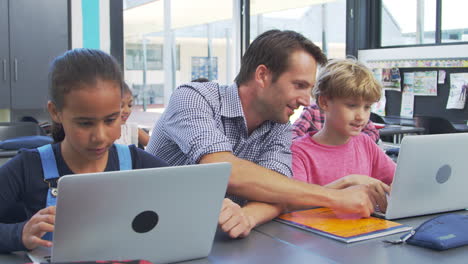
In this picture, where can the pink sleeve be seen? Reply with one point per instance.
(302, 125)
(371, 131)
(383, 167)
(298, 164)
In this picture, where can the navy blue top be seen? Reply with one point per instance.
(22, 180)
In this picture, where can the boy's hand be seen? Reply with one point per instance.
(42, 222)
(234, 221)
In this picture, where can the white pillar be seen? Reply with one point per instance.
(236, 36)
(104, 25)
(76, 24)
(169, 67)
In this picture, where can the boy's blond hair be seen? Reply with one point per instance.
(344, 78)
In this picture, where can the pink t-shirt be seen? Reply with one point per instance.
(322, 164)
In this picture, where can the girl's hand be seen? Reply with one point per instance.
(42, 222)
(234, 221)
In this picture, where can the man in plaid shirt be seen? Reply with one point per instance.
(312, 119)
(247, 125)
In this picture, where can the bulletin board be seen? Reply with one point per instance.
(450, 58)
(428, 105)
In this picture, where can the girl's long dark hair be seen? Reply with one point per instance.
(74, 69)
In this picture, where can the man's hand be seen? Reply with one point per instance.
(234, 221)
(42, 222)
(353, 200)
(377, 189)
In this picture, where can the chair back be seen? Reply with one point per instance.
(10, 130)
(376, 118)
(435, 125)
(19, 129)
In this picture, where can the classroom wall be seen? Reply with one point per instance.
(4, 115)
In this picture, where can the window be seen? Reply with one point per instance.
(198, 44)
(408, 22)
(323, 22)
(454, 23)
(134, 56)
(418, 22)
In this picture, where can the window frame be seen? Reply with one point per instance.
(373, 39)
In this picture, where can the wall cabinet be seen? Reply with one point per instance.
(4, 56)
(32, 34)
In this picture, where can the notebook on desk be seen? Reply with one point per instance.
(161, 215)
(431, 176)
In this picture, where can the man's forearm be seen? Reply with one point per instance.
(256, 183)
(262, 212)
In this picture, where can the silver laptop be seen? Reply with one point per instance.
(431, 176)
(162, 215)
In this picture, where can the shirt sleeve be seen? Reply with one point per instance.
(277, 153)
(383, 166)
(298, 163)
(302, 125)
(371, 131)
(11, 186)
(190, 123)
(311, 120)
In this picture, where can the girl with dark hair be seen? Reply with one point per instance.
(85, 97)
(85, 106)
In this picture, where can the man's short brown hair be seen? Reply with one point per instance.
(273, 49)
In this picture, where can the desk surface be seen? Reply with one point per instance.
(408, 121)
(390, 130)
(398, 120)
(368, 251)
(7, 153)
(279, 243)
(460, 127)
(256, 248)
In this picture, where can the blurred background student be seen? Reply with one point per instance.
(130, 133)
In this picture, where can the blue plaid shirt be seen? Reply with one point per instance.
(204, 118)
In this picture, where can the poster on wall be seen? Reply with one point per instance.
(377, 74)
(407, 96)
(391, 79)
(442, 75)
(425, 83)
(379, 107)
(458, 91)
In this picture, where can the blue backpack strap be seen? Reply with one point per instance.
(125, 158)
(50, 171)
